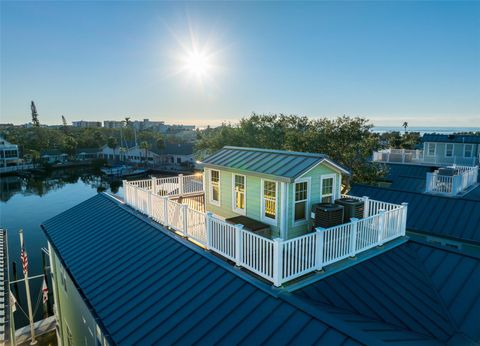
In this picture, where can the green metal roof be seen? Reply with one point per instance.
(279, 164)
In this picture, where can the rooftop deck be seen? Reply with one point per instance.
(418, 157)
(452, 185)
(177, 203)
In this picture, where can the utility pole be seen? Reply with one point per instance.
(27, 287)
(35, 121)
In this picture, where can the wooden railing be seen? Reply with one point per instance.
(277, 260)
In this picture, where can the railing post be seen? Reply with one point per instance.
(184, 211)
(180, 185)
(154, 185)
(208, 226)
(319, 235)
(165, 210)
(381, 226)
(429, 182)
(353, 236)
(238, 244)
(136, 198)
(366, 206)
(150, 204)
(277, 261)
(403, 155)
(404, 218)
(125, 191)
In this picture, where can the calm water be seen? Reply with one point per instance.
(26, 203)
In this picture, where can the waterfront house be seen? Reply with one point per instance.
(274, 187)
(83, 154)
(176, 155)
(438, 150)
(53, 156)
(9, 155)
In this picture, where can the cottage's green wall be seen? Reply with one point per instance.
(314, 190)
(253, 198)
(71, 308)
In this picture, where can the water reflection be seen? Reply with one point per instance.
(41, 185)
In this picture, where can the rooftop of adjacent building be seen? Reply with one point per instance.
(166, 290)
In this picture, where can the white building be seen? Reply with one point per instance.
(8, 153)
(84, 124)
(113, 124)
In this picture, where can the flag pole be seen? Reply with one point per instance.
(27, 288)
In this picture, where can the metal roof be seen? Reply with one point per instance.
(434, 137)
(147, 286)
(164, 290)
(269, 163)
(411, 294)
(451, 217)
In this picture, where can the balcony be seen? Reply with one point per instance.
(451, 181)
(418, 157)
(176, 203)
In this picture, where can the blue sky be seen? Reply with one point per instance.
(387, 61)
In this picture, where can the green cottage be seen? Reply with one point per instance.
(275, 187)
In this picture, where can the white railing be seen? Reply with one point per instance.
(419, 157)
(277, 260)
(452, 185)
(20, 167)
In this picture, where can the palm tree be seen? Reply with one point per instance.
(405, 125)
(144, 145)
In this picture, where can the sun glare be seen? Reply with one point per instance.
(197, 64)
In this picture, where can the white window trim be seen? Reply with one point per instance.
(334, 187)
(446, 146)
(210, 188)
(308, 180)
(273, 222)
(434, 150)
(471, 151)
(234, 207)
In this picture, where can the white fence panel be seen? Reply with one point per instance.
(336, 243)
(298, 256)
(222, 237)
(175, 216)
(367, 233)
(257, 254)
(192, 184)
(167, 186)
(196, 228)
(145, 184)
(158, 209)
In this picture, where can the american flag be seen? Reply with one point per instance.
(24, 258)
(45, 290)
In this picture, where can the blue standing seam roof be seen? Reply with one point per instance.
(145, 287)
(456, 218)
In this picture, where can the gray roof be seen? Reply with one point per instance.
(279, 164)
(456, 218)
(164, 290)
(454, 138)
(176, 149)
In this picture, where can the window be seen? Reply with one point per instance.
(269, 200)
(467, 150)
(449, 150)
(239, 201)
(301, 198)
(431, 149)
(215, 187)
(179, 160)
(328, 190)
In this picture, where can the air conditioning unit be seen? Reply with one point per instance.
(327, 215)
(447, 171)
(352, 208)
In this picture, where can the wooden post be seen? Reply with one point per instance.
(180, 185)
(381, 226)
(185, 219)
(404, 218)
(277, 261)
(366, 206)
(238, 245)
(353, 236)
(319, 235)
(208, 216)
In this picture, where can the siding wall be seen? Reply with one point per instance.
(254, 197)
(71, 309)
(458, 149)
(314, 194)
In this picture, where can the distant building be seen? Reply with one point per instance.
(147, 124)
(53, 156)
(113, 124)
(83, 154)
(84, 124)
(177, 154)
(9, 155)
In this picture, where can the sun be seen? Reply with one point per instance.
(197, 64)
